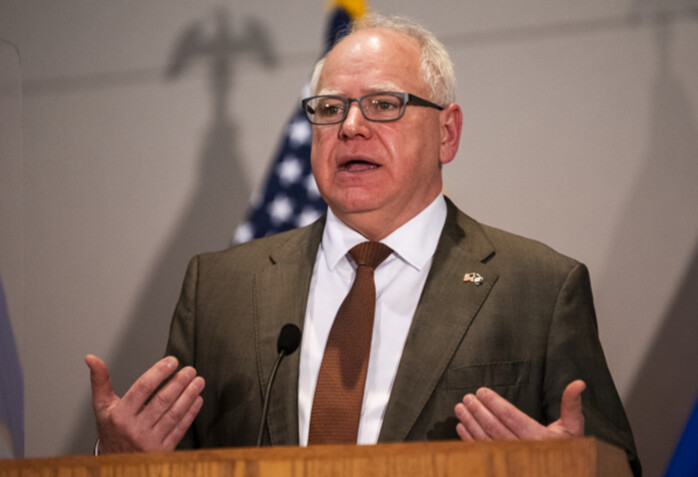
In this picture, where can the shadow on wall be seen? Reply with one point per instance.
(664, 393)
(209, 219)
(659, 222)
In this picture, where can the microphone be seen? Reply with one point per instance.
(287, 343)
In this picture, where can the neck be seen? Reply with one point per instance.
(377, 224)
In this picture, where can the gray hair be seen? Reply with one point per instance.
(436, 65)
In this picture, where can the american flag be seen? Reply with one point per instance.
(685, 459)
(290, 197)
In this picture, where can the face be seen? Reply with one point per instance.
(377, 176)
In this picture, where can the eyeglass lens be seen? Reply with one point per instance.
(375, 107)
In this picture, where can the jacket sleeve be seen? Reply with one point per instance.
(574, 352)
(181, 342)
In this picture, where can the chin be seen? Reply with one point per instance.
(355, 204)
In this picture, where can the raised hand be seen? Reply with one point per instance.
(141, 421)
(486, 415)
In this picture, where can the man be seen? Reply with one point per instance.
(478, 334)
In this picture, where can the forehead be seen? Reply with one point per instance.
(370, 59)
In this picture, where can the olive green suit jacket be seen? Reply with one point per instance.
(527, 331)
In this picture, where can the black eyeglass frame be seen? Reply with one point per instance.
(407, 98)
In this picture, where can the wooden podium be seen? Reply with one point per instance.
(569, 458)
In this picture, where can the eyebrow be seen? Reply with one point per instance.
(377, 88)
(329, 92)
(385, 87)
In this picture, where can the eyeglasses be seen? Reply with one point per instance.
(380, 107)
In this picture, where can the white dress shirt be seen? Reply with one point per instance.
(399, 283)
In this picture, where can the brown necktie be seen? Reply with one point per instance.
(339, 392)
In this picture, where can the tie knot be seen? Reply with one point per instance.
(370, 254)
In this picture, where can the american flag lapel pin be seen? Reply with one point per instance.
(473, 277)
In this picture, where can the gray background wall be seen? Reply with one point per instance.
(580, 130)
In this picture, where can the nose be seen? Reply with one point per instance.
(355, 124)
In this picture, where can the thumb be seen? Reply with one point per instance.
(571, 417)
(102, 390)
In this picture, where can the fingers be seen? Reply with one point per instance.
(517, 422)
(147, 383)
(496, 417)
(102, 391)
(471, 427)
(571, 417)
(463, 433)
(129, 424)
(171, 404)
(173, 409)
(487, 416)
(180, 428)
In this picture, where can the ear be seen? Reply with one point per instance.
(451, 123)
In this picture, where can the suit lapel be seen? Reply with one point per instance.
(281, 295)
(446, 309)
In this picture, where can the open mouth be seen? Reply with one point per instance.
(358, 165)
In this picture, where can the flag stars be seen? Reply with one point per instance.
(280, 209)
(290, 170)
(290, 197)
(299, 132)
(244, 233)
(311, 186)
(307, 216)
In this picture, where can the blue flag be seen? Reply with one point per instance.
(11, 388)
(290, 197)
(685, 460)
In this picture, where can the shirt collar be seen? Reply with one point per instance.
(414, 242)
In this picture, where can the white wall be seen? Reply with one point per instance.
(580, 131)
